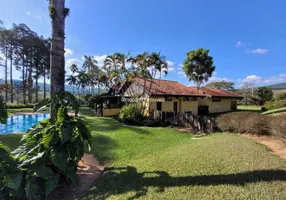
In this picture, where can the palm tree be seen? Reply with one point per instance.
(115, 67)
(89, 64)
(72, 81)
(58, 13)
(141, 65)
(159, 64)
(83, 80)
(73, 68)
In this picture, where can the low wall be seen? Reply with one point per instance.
(110, 112)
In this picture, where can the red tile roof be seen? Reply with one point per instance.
(166, 87)
(219, 93)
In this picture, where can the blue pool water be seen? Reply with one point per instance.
(21, 123)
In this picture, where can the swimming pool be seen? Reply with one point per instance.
(21, 123)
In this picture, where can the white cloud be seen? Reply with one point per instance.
(253, 79)
(240, 44)
(257, 51)
(181, 65)
(259, 79)
(217, 79)
(71, 61)
(28, 13)
(275, 79)
(68, 52)
(170, 69)
(170, 63)
(100, 60)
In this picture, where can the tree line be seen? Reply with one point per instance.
(24, 50)
(117, 69)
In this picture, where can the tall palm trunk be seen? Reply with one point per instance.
(24, 81)
(45, 91)
(58, 13)
(11, 79)
(6, 74)
(30, 86)
(37, 85)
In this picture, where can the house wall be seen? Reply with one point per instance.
(183, 106)
(190, 106)
(216, 107)
(110, 112)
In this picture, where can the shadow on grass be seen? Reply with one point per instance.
(123, 180)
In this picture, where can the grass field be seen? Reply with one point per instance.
(161, 163)
(275, 111)
(253, 108)
(20, 110)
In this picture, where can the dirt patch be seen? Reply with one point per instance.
(89, 171)
(277, 146)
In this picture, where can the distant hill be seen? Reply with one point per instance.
(41, 85)
(279, 86)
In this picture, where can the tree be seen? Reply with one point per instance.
(263, 94)
(222, 85)
(58, 12)
(115, 70)
(90, 64)
(198, 66)
(245, 88)
(4, 47)
(158, 64)
(83, 80)
(73, 68)
(141, 65)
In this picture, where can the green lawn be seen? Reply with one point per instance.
(19, 111)
(252, 108)
(161, 163)
(275, 111)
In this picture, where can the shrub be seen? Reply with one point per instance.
(244, 122)
(263, 109)
(131, 111)
(19, 105)
(280, 96)
(47, 157)
(275, 104)
(132, 114)
(278, 124)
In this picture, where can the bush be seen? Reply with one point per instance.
(19, 105)
(244, 122)
(275, 104)
(131, 111)
(263, 109)
(132, 114)
(280, 96)
(47, 157)
(278, 124)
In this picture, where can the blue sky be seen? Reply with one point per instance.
(246, 38)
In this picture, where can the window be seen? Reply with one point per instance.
(159, 106)
(215, 99)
